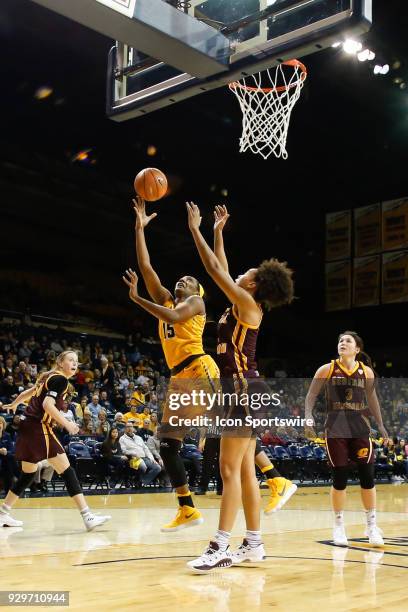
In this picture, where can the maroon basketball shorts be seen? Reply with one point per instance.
(342, 450)
(36, 441)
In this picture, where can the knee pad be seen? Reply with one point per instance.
(25, 480)
(366, 475)
(258, 447)
(340, 476)
(71, 482)
(170, 453)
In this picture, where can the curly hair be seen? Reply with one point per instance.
(274, 284)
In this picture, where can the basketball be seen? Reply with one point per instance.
(151, 184)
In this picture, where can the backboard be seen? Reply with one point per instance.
(261, 34)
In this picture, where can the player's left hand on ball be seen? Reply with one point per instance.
(131, 279)
(194, 215)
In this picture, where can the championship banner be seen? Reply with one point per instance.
(338, 235)
(395, 277)
(367, 230)
(395, 224)
(338, 285)
(366, 281)
(126, 7)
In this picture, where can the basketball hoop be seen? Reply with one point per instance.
(266, 111)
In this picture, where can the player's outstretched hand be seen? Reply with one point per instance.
(383, 433)
(221, 216)
(194, 215)
(130, 278)
(142, 219)
(10, 407)
(72, 428)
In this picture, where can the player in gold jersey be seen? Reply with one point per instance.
(181, 326)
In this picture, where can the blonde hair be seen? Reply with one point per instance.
(3, 422)
(57, 365)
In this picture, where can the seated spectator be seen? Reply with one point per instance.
(132, 414)
(138, 397)
(8, 466)
(67, 412)
(102, 426)
(104, 402)
(133, 446)
(144, 430)
(87, 425)
(13, 426)
(145, 414)
(153, 444)
(119, 422)
(154, 422)
(112, 452)
(94, 406)
(8, 390)
(107, 375)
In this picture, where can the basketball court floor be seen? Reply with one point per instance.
(129, 564)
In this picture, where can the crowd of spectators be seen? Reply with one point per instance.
(118, 394)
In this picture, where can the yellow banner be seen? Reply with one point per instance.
(366, 281)
(395, 224)
(395, 277)
(367, 230)
(338, 235)
(338, 285)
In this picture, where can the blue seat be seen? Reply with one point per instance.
(319, 453)
(293, 451)
(307, 453)
(91, 444)
(281, 453)
(79, 449)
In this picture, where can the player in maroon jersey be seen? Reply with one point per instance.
(250, 294)
(350, 386)
(36, 440)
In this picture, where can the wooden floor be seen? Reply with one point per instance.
(129, 565)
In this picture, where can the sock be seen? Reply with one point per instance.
(5, 508)
(222, 539)
(85, 511)
(185, 499)
(338, 518)
(370, 517)
(270, 471)
(253, 538)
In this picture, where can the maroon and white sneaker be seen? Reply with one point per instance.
(212, 559)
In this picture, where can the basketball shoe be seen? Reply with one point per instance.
(281, 490)
(185, 517)
(212, 559)
(248, 554)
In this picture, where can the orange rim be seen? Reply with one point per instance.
(294, 63)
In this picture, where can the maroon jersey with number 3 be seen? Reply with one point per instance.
(236, 348)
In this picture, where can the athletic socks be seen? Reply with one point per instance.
(253, 538)
(338, 518)
(371, 517)
(5, 508)
(270, 471)
(222, 539)
(185, 499)
(85, 511)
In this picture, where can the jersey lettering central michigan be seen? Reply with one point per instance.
(236, 348)
(181, 340)
(346, 390)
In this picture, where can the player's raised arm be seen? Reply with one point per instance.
(157, 292)
(221, 216)
(184, 311)
(236, 295)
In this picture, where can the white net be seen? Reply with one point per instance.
(267, 100)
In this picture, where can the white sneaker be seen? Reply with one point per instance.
(339, 535)
(212, 559)
(374, 535)
(92, 520)
(248, 554)
(7, 521)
